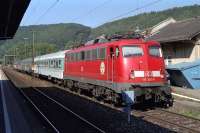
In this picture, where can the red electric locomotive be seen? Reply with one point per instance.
(108, 68)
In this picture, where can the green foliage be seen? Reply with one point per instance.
(47, 38)
(146, 20)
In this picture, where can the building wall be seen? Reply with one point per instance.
(181, 52)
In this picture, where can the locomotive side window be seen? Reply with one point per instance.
(73, 56)
(76, 56)
(132, 51)
(117, 52)
(82, 55)
(155, 51)
(94, 54)
(88, 55)
(101, 53)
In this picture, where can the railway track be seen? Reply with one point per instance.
(162, 117)
(60, 118)
(177, 122)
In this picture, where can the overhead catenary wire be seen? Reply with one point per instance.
(34, 10)
(134, 10)
(47, 11)
(92, 10)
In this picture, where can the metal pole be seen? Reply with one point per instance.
(33, 51)
(16, 54)
(26, 54)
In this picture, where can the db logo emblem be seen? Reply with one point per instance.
(148, 74)
(102, 68)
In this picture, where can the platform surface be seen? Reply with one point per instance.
(187, 92)
(12, 117)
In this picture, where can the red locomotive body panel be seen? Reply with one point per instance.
(119, 66)
(114, 66)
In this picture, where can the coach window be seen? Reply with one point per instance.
(51, 63)
(59, 63)
(56, 65)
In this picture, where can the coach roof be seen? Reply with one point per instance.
(57, 55)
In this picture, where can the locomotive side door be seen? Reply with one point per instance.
(110, 63)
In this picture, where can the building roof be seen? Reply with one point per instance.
(184, 65)
(179, 31)
(11, 13)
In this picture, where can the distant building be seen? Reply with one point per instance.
(155, 29)
(180, 40)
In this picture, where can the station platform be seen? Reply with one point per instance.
(191, 93)
(16, 116)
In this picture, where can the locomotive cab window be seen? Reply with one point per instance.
(155, 51)
(132, 51)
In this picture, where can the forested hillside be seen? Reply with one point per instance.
(146, 20)
(48, 38)
(54, 37)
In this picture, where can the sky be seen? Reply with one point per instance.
(93, 13)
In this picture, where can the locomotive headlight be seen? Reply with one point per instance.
(132, 75)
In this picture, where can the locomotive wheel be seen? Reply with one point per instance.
(70, 84)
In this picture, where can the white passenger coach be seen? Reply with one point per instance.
(50, 65)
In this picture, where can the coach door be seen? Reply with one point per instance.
(110, 64)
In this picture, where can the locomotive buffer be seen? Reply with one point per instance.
(128, 97)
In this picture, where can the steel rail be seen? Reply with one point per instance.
(167, 121)
(67, 109)
(32, 103)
